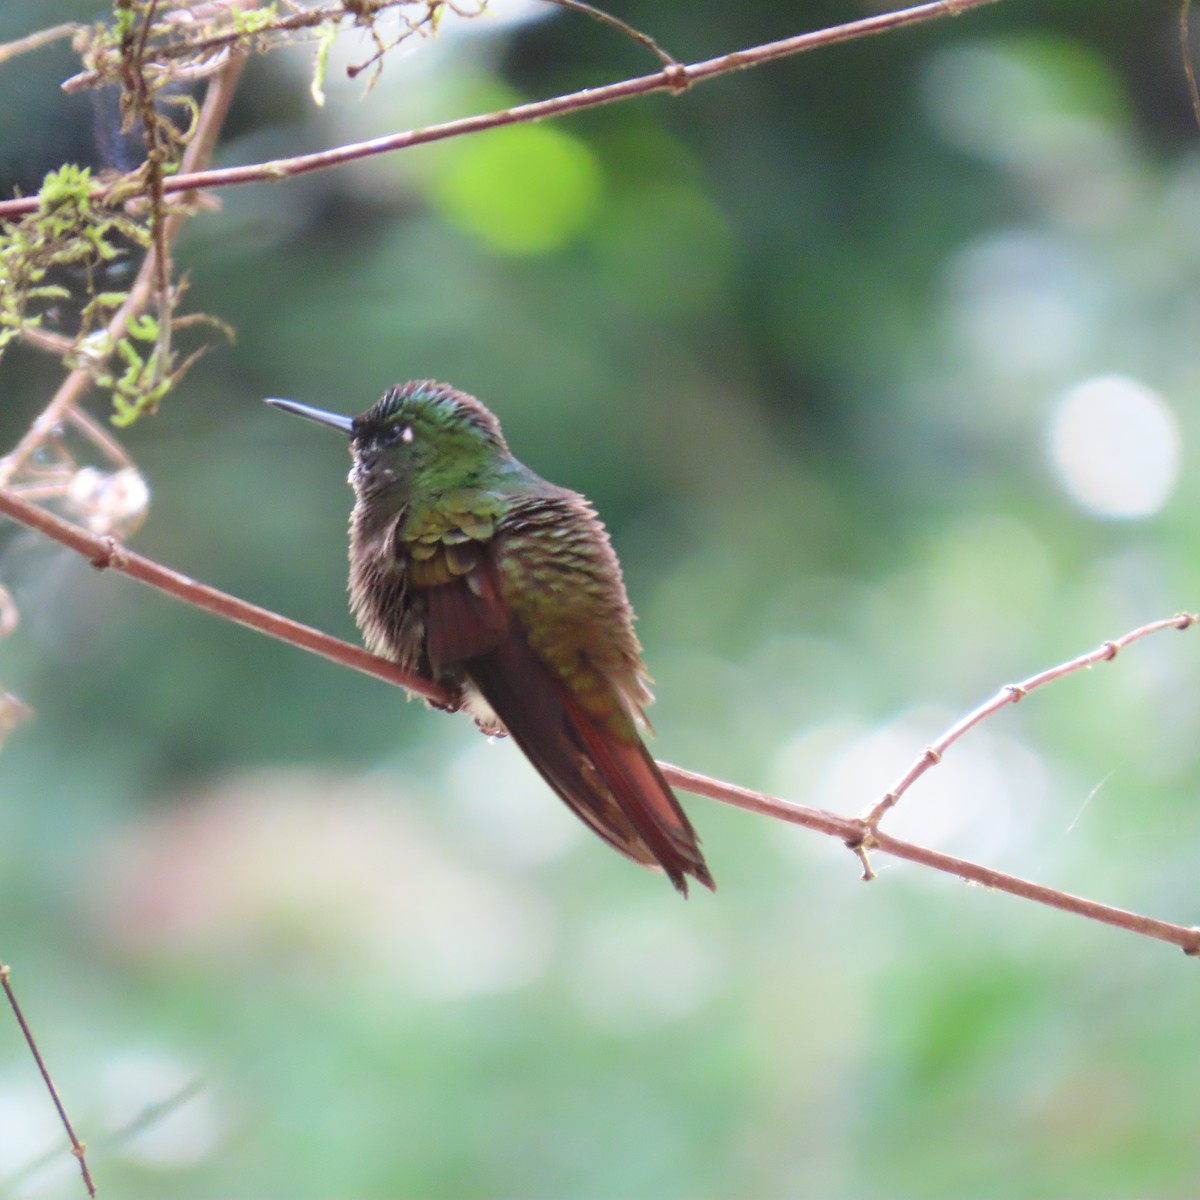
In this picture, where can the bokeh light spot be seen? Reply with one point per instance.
(1115, 444)
(523, 190)
(1019, 302)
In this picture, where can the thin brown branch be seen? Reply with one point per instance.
(105, 552)
(35, 41)
(1187, 938)
(76, 383)
(142, 99)
(670, 79)
(99, 437)
(77, 1147)
(606, 18)
(855, 832)
(1010, 693)
(57, 344)
(147, 1118)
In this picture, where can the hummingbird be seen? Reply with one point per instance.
(471, 571)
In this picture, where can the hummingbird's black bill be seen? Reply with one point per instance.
(333, 420)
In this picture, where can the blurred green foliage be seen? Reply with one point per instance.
(801, 334)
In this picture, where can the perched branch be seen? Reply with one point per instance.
(103, 552)
(855, 832)
(672, 78)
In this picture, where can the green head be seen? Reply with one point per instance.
(419, 435)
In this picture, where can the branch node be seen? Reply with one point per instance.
(860, 846)
(677, 77)
(111, 555)
(868, 871)
(1112, 649)
(932, 756)
(874, 815)
(1185, 619)
(1193, 951)
(1016, 691)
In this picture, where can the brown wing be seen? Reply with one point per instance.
(569, 680)
(613, 785)
(553, 654)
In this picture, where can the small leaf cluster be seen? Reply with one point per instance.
(72, 229)
(131, 368)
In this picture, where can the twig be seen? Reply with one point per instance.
(150, 1115)
(77, 1147)
(99, 437)
(670, 79)
(57, 344)
(141, 98)
(606, 18)
(75, 385)
(36, 40)
(104, 552)
(1010, 693)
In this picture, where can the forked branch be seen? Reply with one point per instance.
(856, 832)
(1010, 693)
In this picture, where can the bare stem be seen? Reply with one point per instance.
(1010, 693)
(35, 41)
(855, 832)
(99, 437)
(605, 18)
(672, 78)
(77, 1147)
(147, 1118)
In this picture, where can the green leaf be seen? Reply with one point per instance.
(326, 35)
(143, 327)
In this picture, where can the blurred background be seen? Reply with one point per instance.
(880, 365)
